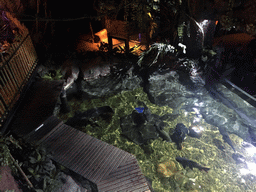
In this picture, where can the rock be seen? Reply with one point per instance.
(69, 184)
(165, 89)
(175, 90)
(83, 118)
(142, 127)
(238, 158)
(107, 80)
(190, 173)
(138, 134)
(70, 71)
(167, 168)
(180, 179)
(7, 181)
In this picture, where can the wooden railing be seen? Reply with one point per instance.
(15, 70)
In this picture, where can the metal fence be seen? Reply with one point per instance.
(16, 67)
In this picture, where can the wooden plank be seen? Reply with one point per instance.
(110, 168)
(7, 89)
(4, 96)
(13, 76)
(16, 72)
(2, 109)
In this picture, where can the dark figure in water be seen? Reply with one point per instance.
(226, 137)
(191, 164)
(83, 118)
(179, 134)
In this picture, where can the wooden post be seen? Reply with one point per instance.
(147, 40)
(125, 10)
(110, 43)
(37, 13)
(92, 32)
(127, 48)
(46, 15)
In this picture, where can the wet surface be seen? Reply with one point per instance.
(38, 104)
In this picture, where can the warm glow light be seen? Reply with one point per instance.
(103, 35)
(216, 22)
(102, 32)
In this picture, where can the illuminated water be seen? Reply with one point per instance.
(157, 160)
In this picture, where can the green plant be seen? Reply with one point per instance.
(35, 162)
(104, 47)
(42, 171)
(5, 155)
(53, 75)
(156, 51)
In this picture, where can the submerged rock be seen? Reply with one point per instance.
(238, 158)
(179, 134)
(176, 90)
(83, 118)
(142, 127)
(108, 84)
(167, 168)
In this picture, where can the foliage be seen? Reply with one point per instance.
(203, 150)
(156, 51)
(42, 171)
(109, 8)
(53, 75)
(140, 19)
(5, 155)
(35, 162)
(104, 47)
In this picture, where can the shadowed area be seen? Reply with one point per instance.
(38, 104)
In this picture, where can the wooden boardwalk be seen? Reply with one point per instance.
(109, 167)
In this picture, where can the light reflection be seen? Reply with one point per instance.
(249, 148)
(244, 171)
(197, 111)
(201, 104)
(251, 167)
(196, 120)
(242, 180)
(203, 23)
(198, 129)
(183, 47)
(39, 127)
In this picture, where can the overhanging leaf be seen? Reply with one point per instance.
(32, 160)
(31, 170)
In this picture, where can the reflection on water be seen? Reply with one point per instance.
(250, 165)
(157, 158)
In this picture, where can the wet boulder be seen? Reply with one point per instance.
(142, 126)
(107, 79)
